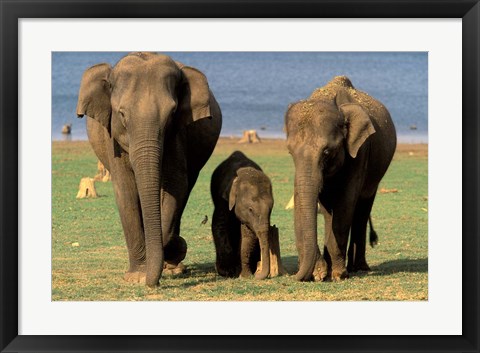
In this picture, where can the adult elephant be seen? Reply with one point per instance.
(153, 123)
(342, 141)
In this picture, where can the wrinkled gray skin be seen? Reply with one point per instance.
(243, 200)
(153, 123)
(342, 141)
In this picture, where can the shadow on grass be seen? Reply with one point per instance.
(201, 273)
(191, 282)
(195, 275)
(290, 263)
(384, 269)
(388, 268)
(402, 265)
(202, 269)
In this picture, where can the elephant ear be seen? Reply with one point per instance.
(232, 195)
(359, 125)
(94, 94)
(194, 95)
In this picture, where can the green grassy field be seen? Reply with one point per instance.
(89, 256)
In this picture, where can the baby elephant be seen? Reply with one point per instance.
(243, 200)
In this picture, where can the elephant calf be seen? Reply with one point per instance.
(243, 200)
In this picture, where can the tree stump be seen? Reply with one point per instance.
(103, 174)
(276, 266)
(87, 189)
(250, 136)
(67, 129)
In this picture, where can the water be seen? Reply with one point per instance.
(255, 88)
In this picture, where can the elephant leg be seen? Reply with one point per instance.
(175, 248)
(225, 231)
(175, 251)
(174, 201)
(174, 196)
(357, 248)
(336, 239)
(128, 204)
(320, 271)
(247, 252)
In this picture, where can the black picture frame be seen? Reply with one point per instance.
(12, 11)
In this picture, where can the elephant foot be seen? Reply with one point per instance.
(173, 269)
(320, 271)
(227, 271)
(175, 250)
(135, 277)
(360, 266)
(246, 273)
(338, 276)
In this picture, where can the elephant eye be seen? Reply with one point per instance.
(326, 152)
(123, 119)
(250, 209)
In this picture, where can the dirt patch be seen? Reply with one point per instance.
(230, 144)
(279, 146)
(227, 145)
(412, 150)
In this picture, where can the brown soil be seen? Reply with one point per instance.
(267, 146)
(278, 146)
(409, 150)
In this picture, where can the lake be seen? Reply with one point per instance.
(255, 88)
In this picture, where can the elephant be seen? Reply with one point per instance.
(342, 141)
(153, 122)
(243, 202)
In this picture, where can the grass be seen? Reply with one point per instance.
(93, 270)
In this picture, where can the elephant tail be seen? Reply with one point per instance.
(373, 234)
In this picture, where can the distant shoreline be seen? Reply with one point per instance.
(401, 139)
(273, 146)
(404, 139)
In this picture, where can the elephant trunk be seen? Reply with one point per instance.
(147, 163)
(265, 254)
(308, 182)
